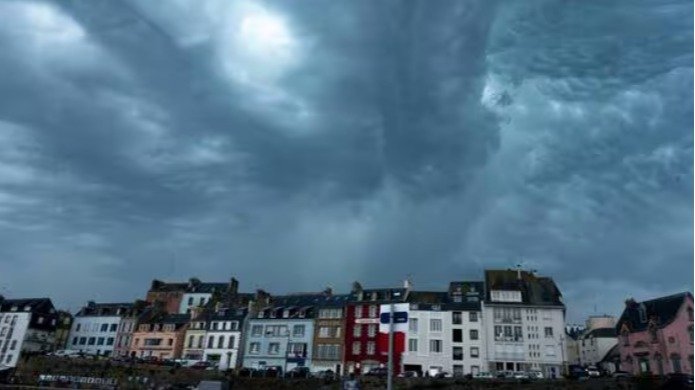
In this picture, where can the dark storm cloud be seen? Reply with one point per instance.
(301, 144)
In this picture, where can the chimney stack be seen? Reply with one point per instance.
(233, 286)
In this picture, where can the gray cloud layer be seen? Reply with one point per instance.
(301, 144)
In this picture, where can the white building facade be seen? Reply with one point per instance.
(525, 323)
(95, 327)
(26, 325)
(223, 338)
(595, 344)
(445, 331)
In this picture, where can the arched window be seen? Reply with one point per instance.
(676, 362)
(211, 342)
(220, 342)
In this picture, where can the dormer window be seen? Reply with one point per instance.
(286, 313)
(27, 308)
(14, 308)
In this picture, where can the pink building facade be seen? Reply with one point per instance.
(656, 336)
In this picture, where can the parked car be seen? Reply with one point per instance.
(483, 375)
(593, 372)
(65, 353)
(621, 374)
(326, 374)
(272, 372)
(149, 360)
(678, 381)
(247, 372)
(505, 374)
(298, 372)
(535, 375)
(378, 372)
(202, 365)
(408, 374)
(520, 375)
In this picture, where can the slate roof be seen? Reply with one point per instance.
(226, 314)
(383, 295)
(664, 309)
(36, 305)
(428, 300)
(535, 290)
(105, 309)
(152, 317)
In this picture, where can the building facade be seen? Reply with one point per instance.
(329, 329)
(362, 350)
(194, 339)
(126, 327)
(281, 334)
(26, 325)
(62, 333)
(95, 326)
(159, 335)
(445, 331)
(656, 336)
(596, 340)
(525, 323)
(224, 337)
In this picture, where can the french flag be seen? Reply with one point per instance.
(400, 329)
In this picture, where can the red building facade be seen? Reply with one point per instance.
(363, 348)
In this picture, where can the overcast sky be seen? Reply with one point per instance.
(301, 144)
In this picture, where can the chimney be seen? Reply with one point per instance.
(518, 271)
(356, 287)
(233, 286)
(156, 284)
(328, 291)
(630, 302)
(407, 284)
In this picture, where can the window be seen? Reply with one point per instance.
(190, 301)
(74, 340)
(436, 346)
(358, 311)
(474, 333)
(220, 342)
(458, 353)
(91, 341)
(9, 358)
(255, 348)
(13, 345)
(371, 330)
(298, 331)
(257, 330)
(357, 331)
(83, 340)
(373, 312)
(104, 327)
(549, 350)
(39, 320)
(458, 370)
(137, 341)
(190, 341)
(412, 324)
(200, 341)
(324, 332)
(273, 348)
(77, 327)
(211, 342)
(676, 362)
(412, 345)
(235, 325)
(231, 342)
(113, 327)
(371, 348)
(548, 331)
(457, 335)
(475, 352)
(202, 302)
(356, 348)
(473, 316)
(518, 333)
(214, 326)
(100, 341)
(456, 318)
(435, 325)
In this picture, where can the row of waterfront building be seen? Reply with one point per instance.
(513, 320)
